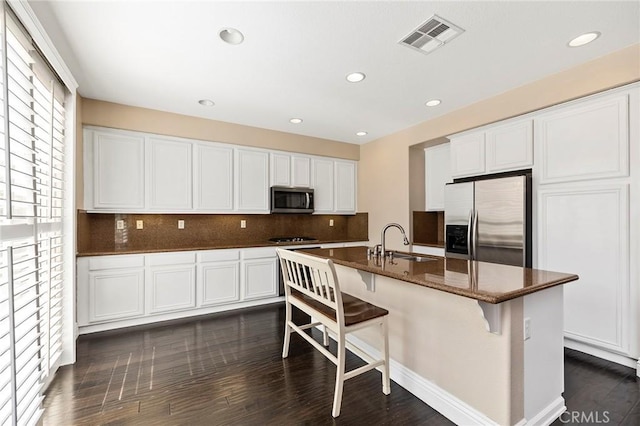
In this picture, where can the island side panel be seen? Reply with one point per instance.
(544, 354)
(442, 338)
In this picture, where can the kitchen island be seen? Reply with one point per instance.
(482, 343)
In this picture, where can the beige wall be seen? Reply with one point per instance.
(442, 338)
(384, 181)
(107, 114)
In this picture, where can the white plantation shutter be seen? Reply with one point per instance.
(32, 164)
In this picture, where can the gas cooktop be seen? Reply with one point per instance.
(279, 240)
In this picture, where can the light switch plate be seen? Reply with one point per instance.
(181, 224)
(120, 224)
(243, 223)
(330, 222)
(139, 224)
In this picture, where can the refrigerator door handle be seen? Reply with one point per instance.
(474, 239)
(469, 235)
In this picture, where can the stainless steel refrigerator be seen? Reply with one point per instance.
(489, 219)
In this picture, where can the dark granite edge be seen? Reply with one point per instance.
(221, 246)
(483, 297)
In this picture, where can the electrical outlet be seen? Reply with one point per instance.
(181, 224)
(243, 223)
(139, 224)
(527, 328)
(330, 222)
(120, 224)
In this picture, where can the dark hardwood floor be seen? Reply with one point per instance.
(227, 369)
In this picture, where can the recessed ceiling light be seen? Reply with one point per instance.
(355, 77)
(361, 134)
(433, 102)
(583, 39)
(206, 102)
(295, 120)
(231, 36)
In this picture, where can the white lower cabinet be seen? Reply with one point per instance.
(110, 288)
(585, 230)
(259, 277)
(170, 281)
(125, 290)
(116, 294)
(218, 277)
(171, 288)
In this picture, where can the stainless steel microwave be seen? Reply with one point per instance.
(291, 200)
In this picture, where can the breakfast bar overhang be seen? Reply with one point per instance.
(457, 332)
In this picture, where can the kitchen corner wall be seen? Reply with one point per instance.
(97, 232)
(385, 177)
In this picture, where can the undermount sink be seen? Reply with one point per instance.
(414, 257)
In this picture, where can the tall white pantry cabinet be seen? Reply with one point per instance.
(587, 181)
(585, 157)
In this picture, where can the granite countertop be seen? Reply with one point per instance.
(487, 282)
(214, 246)
(436, 245)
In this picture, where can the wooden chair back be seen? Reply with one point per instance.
(313, 277)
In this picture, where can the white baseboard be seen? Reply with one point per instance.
(150, 319)
(548, 415)
(601, 353)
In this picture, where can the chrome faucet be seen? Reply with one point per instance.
(382, 237)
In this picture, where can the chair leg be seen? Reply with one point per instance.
(287, 330)
(325, 336)
(337, 397)
(386, 380)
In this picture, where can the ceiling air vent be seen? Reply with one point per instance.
(430, 35)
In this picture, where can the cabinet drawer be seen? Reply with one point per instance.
(259, 253)
(218, 255)
(171, 258)
(113, 262)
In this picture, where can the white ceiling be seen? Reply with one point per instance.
(167, 55)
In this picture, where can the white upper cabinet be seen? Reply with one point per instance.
(437, 174)
(133, 172)
(118, 165)
(589, 140)
(290, 170)
(213, 178)
(509, 147)
(493, 149)
(334, 185)
(323, 185)
(252, 181)
(170, 174)
(280, 169)
(345, 191)
(300, 171)
(467, 154)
